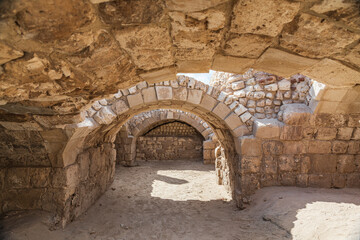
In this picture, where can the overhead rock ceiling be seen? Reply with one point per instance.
(56, 56)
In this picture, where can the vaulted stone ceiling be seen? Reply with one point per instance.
(56, 56)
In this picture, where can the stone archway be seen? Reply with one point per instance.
(143, 122)
(92, 140)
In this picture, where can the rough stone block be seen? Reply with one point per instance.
(294, 147)
(319, 147)
(149, 95)
(338, 180)
(353, 180)
(250, 146)
(346, 164)
(119, 107)
(135, 100)
(221, 110)
(302, 180)
(241, 131)
(270, 164)
(291, 133)
(208, 102)
(245, 116)
(17, 178)
(354, 147)
(287, 163)
(323, 163)
(231, 64)
(250, 164)
(105, 115)
(296, 114)
(194, 96)
(320, 180)
(305, 164)
(326, 133)
(180, 93)
(339, 146)
(233, 121)
(272, 147)
(267, 128)
(282, 63)
(344, 133)
(39, 177)
(333, 73)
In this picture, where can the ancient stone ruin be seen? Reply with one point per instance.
(87, 85)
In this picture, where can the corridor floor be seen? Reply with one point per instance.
(181, 200)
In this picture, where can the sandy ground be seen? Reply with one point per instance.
(181, 200)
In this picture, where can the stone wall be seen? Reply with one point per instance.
(89, 178)
(310, 150)
(259, 95)
(124, 148)
(169, 148)
(170, 141)
(26, 170)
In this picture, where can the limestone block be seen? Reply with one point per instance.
(296, 114)
(271, 87)
(250, 164)
(250, 146)
(333, 73)
(180, 93)
(221, 110)
(233, 121)
(96, 105)
(164, 93)
(174, 83)
(245, 116)
(153, 41)
(284, 85)
(282, 63)
(272, 147)
(135, 100)
(119, 107)
(164, 74)
(105, 115)
(208, 102)
(238, 85)
(267, 128)
(320, 180)
(90, 112)
(8, 53)
(193, 66)
(149, 95)
(286, 163)
(209, 144)
(222, 96)
(319, 147)
(247, 45)
(241, 131)
(240, 109)
(324, 133)
(141, 85)
(231, 64)
(317, 37)
(339, 146)
(258, 17)
(54, 136)
(323, 163)
(344, 133)
(294, 147)
(39, 177)
(194, 96)
(17, 178)
(356, 134)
